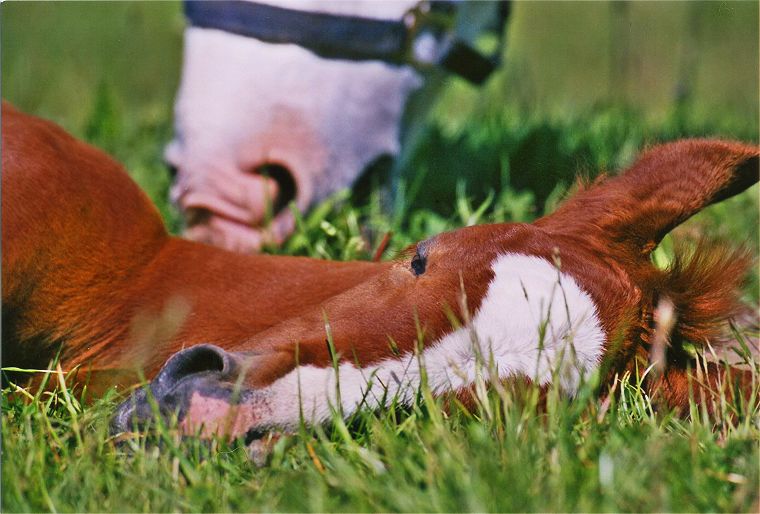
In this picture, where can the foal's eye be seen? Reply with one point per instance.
(418, 264)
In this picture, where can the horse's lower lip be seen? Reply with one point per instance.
(201, 384)
(226, 232)
(203, 405)
(233, 211)
(208, 416)
(204, 416)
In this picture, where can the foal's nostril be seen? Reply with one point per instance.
(196, 360)
(202, 358)
(286, 184)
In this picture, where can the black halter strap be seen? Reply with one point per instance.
(334, 36)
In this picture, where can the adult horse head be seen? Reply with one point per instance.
(285, 113)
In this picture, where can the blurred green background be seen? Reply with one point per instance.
(584, 86)
(560, 56)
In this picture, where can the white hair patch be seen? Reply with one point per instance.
(534, 321)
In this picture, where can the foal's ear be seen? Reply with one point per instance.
(667, 185)
(740, 175)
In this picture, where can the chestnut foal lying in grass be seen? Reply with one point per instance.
(261, 342)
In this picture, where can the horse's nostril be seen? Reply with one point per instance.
(202, 358)
(198, 359)
(196, 215)
(172, 170)
(286, 184)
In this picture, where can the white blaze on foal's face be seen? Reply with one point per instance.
(534, 321)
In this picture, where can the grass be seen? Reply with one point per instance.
(507, 455)
(506, 153)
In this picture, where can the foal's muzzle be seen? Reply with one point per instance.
(203, 369)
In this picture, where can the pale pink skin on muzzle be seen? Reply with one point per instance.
(213, 417)
(244, 104)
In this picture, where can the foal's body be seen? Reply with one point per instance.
(89, 269)
(85, 252)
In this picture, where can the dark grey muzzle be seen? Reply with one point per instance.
(204, 368)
